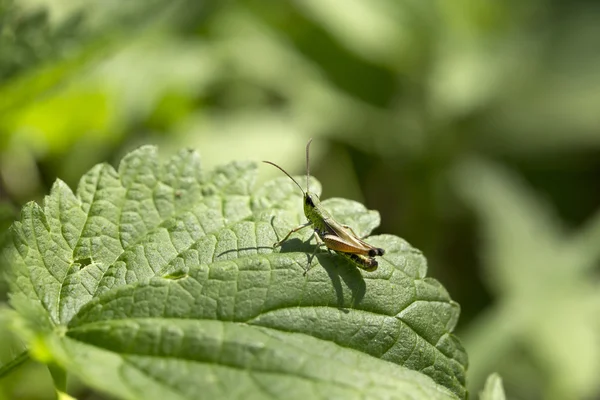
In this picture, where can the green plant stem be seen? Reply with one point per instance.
(13, 364)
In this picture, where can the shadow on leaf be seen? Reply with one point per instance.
(337, 267)
(340, 270)
(242, 249)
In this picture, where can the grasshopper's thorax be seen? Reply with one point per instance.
(314, 212)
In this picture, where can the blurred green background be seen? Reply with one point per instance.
(473, 126)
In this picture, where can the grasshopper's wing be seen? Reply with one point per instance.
(342, 245)
(345, 240)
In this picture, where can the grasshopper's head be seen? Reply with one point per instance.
(310, 201)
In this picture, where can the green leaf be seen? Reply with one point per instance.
(543, 275)
(13, 352)
(493, 389)
(161, 279)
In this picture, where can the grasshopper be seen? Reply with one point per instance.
(330, 233)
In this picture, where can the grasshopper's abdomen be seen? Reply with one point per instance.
(369, 264)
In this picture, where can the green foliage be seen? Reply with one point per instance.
(400, 95)
(27, 38)
(161, 279)
(493, 389)
(537, 269)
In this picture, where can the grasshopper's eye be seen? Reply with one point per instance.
(308, 201)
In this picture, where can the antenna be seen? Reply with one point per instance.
(282, 170)
(307, 164)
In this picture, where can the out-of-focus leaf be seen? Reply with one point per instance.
(547, 105)
(377, 31)
(547, 300)
(493, 389)
(31, 380)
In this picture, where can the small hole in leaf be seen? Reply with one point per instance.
(208, 191)
(83, 262)
(176, 275)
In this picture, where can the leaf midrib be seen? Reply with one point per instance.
(250, 322)
(123, 354)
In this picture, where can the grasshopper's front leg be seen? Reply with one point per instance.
(296, 229)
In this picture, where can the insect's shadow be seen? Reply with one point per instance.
(297, 245)
(337, 267)
(242, 249)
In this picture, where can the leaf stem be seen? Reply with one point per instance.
(14, 363)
